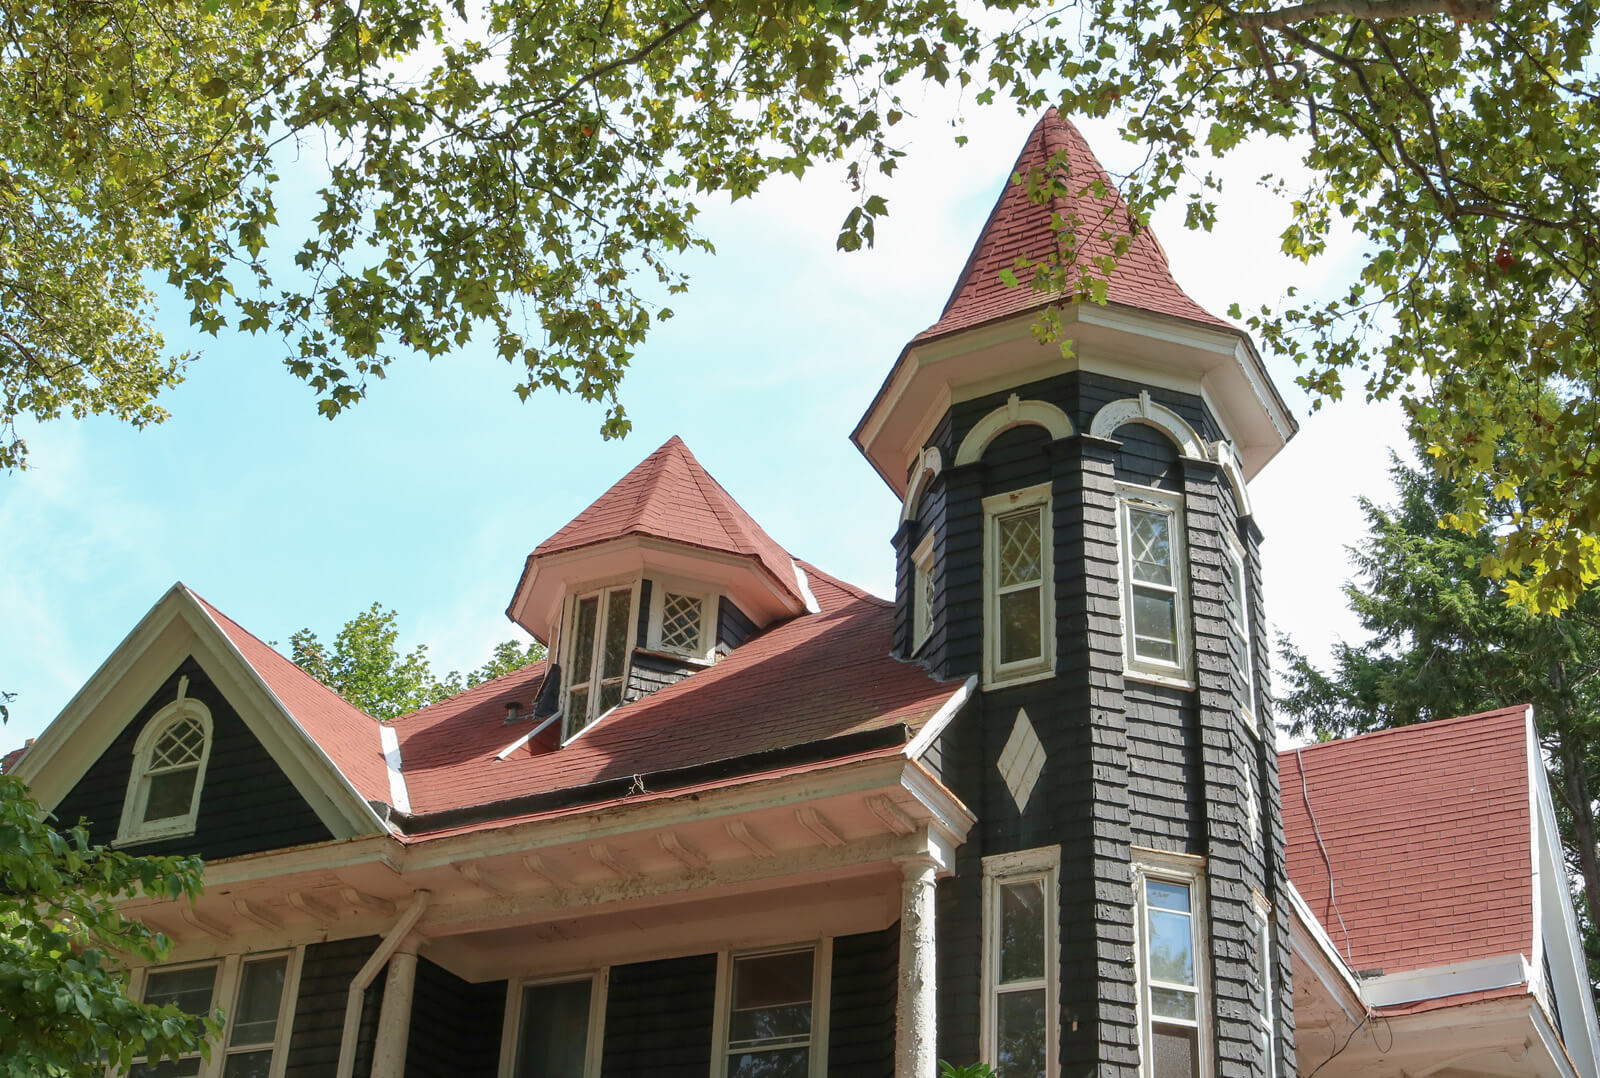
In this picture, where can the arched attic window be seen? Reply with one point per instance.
(169, 770)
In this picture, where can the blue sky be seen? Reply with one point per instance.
(428, 494)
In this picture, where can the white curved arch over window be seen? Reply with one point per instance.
(1013, 413)
(929, 465)
(1223, 454)
(1142, 409)
(169, 771)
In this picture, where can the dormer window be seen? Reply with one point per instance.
(169, 767)
(597, 652)
(681, 619)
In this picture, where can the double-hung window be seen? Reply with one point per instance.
(1019, 601)
(600, 628)
(1172, 997)
(772, 1013)
(1154, 583)
(922, 591)
(169, 766)
(257, 993)
(1021, 966)
(554, 1028)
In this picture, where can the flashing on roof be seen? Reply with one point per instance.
(390, 740)
(527, 737)
(935, 726)
(812, 607)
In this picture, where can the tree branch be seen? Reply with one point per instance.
(1465, 10)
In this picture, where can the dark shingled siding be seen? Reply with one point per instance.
(861, 1015)
(240, 777)
(455, 1025)
(658, 1018)
(325, 978)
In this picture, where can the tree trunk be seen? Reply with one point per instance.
(1583, 826)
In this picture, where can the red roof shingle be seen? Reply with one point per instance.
(1428, 833)
(809, 679)
(1020, 227)
(669, 495)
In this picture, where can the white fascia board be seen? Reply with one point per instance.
(917, 746)
(1451, 979)
(1553, 1046)
(1323, 944)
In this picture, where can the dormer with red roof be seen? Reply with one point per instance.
(661, 574)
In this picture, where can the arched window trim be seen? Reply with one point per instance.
(1015, 412)
(929, 464)
(134, 828)
(1142, 409)
(1229, 462)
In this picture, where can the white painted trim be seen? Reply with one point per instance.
(929, 465)
(529, 736)
(995, 506)
(389, 738)
(1223, 454)
(1042, 864)
(1189, 871)
(1142, 409)
(1452, 979)
(821, 1002)
(921, 608)
(1181, 673)
(601, 593)
(594, 1038)
(935, 726)
(660, 585)
(1324, 943)
(800, 578)
(1014, 413)
(132, 829)
(1554, 1046)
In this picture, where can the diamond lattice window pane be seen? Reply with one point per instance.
(179, 745)
(680, 622)
(924, 603)
(1150, 544)
(1019, 559)
(1021, 761)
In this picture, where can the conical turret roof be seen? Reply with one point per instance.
(1019, 227)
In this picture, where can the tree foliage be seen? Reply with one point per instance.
(365, 666)
(64, 1012)
(1442, 640)
(531, 174)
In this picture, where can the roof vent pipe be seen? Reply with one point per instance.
(513, 711)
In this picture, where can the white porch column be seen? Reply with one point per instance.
(916, 1007)
(394, 1018)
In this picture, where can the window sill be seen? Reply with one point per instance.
(1166, 681)
(676, 656)
(1021, 677)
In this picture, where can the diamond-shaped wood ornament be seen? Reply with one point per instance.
(1021, 761)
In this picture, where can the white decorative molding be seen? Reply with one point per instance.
(479, 877)
(740, 832)
(1223, 454)
(1015, 412)
(541, 868)
(820, 826)
(192, 918)
(886, 811)
(690, 857)
(1142, 409)
(929, 464)
(362, 900)
(607, 858)
(935, 726)
(1022, 760)
(312, 907)
(256, 915)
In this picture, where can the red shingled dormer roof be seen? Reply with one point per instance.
(669, 495)
(1429, 837)
(1020, 227)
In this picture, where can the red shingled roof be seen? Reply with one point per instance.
(1429, 832)
(670, 496)
(814, 677)
(1020, 227)
(346, 733)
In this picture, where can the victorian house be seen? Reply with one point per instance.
(749, 820)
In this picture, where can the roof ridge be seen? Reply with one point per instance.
(1408, 728)
(843, 585)
(525, 668)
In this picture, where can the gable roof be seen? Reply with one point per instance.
(669, 495)
(349, 736)
(1018, 226)
(1414, 846)
(817, 679)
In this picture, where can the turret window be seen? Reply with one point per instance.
(597, 656)
(1019, 631)
(1172, 998)
(922, 592)
(169, 764)
(1020, 963)
(1154, 584)
(681, 619)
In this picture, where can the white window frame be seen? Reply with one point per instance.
(1180, 673)
(921, 580)
(659, 586)
(599, 985)
(1185, 870)
(1268, 1015)
(821, 1001)
(602, 593)
(229, 971)
(994, 507)
(1239, 622)
(1044, 864)
(133, 827)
